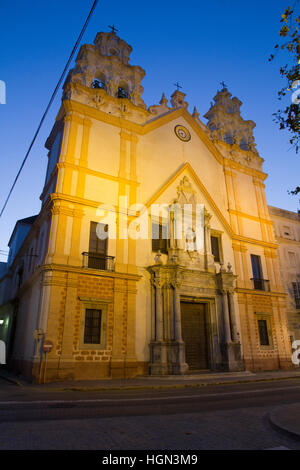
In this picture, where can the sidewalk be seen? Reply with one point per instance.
(147, 382)
(286, 420)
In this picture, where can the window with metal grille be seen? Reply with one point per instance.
(296, 291)
(263, 333)
(92, 326)
(160, 237)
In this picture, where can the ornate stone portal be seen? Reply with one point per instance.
(190, 275)
(171, 284)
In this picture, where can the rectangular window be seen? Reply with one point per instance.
(92, 326)
(264, 326)
(215, 248)
(263, 333)
(256, 267)
(97, 246)
(259, 283)
(296, 291)
(292, 259)
(160, 237)
(286, 231)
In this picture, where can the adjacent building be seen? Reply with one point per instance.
(287, 233)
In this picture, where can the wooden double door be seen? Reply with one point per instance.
(194, 334)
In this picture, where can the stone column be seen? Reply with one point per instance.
(83, 162)
(153, 322)
(159, 364)
(207, 240)
(208, 256)
(179, 366)
(247, 275)
(172, 232)
(177, 313)
(60, 214)
(159, 329)
(232, 317)
(226, 317)
(75, 256)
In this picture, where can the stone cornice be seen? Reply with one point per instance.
(99, 174)
(245, 169)
(284, 214)
(283, 241)
(254, 241)
(143, 129)
(251, 292)
(90, 272)
(251, 217)
(95, 204)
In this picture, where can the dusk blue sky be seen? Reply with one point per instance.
(196, 43)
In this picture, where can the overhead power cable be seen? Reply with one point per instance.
(51, 101)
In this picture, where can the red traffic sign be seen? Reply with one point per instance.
(47, 346)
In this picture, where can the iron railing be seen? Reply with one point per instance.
(261, 284)
(98, 261)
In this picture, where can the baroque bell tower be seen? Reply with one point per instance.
(103, 78)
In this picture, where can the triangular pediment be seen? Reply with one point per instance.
(195, 124)
(185, 183)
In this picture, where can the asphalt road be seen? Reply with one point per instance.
(211, 417)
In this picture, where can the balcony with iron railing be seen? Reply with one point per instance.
(98, 261)
(261, 284)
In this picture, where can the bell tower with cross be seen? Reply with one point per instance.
(104, 67)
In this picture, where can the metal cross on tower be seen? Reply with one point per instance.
(223, 85)
(177, 85)
(113, 28)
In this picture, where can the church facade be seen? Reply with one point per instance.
(154, 251)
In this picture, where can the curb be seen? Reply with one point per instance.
(11, 380)
(74, 388)
(280, 428)
(165, 386)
